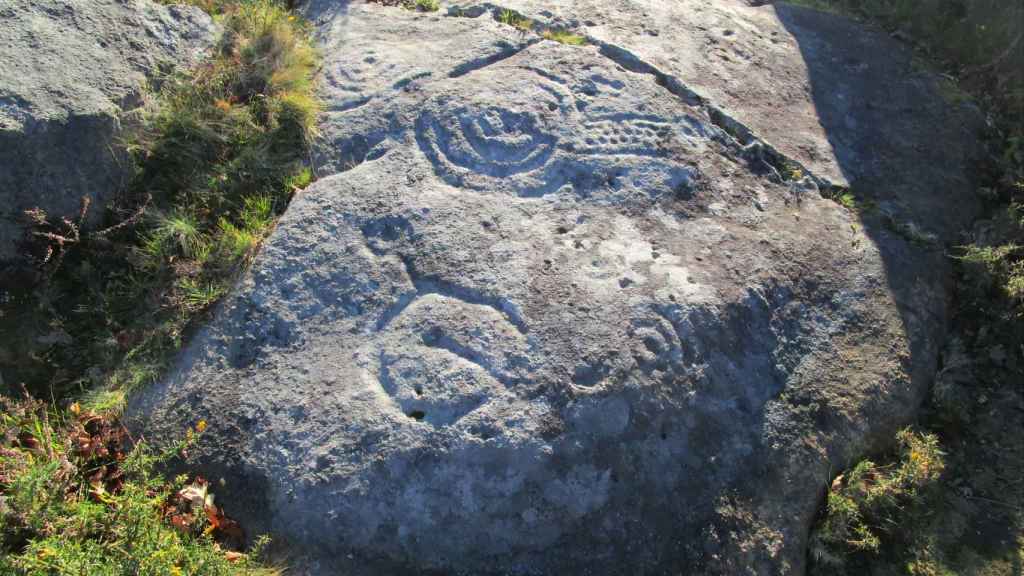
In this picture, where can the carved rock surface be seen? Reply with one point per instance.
(68, 72)
(550, 310)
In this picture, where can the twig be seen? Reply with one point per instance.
(127, 222)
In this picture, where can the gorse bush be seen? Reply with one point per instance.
(78, 500)
(867, 504)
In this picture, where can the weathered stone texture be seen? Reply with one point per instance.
(573, 310)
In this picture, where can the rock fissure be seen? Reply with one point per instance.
(506, 51)
(755, 149)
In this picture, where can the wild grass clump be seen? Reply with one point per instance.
(75, 498)
(422, 5)
(240, 123)
(563, 37)
(994, 270)
(524, 24)
(218, 161)
(515, 20)
(873, 505)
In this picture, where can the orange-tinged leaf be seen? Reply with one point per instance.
(181, 522)
(231, 556)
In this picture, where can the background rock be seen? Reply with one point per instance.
(843, 99)
(553, 310)
(68, 71)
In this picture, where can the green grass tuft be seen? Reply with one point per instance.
(520, 22)
(421, 5)
(515, 20)
(564, 37)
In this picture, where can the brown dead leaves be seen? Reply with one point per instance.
(193, 504)
(91, 450)
(99, 447)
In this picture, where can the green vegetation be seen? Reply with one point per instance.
(520, 22)
(76, 502)
(218, 159)
(870, 502)
(515, 20)
(847, 200)
(994, 270)
(414, 5)
(212, 7)
(421, 5)
(563, 37)
(218, 162)
(966, 518)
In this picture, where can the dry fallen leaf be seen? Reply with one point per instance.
(181, 522)
(195, 494)
(233, 556)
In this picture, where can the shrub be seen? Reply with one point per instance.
(871, 501)
(76, 499)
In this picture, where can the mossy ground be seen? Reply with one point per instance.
(104, 311)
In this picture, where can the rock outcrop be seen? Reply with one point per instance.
(577, 309)
(68, 72)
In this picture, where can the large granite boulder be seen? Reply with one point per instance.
(552, 310)
(68, 73)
